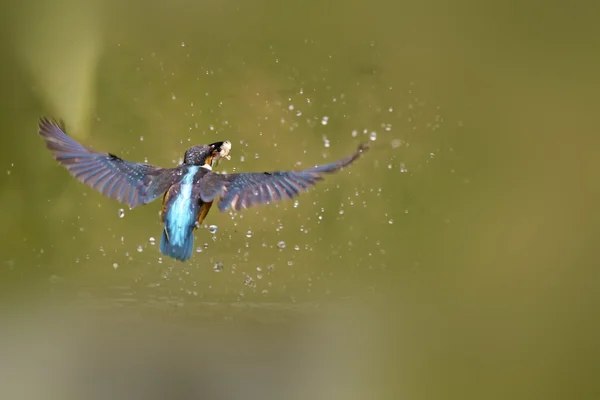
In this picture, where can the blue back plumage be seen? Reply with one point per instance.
(179, 220)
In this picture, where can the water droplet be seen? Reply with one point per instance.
(140, 248)
(403, 168)
(391, 221)
(198, 249)
(396, 143)
(121, 213)
(141, 138)
(218, 267)
(152, 240)
(291, 107)
(248, 281)
(325, 120)
(173, 97)
(431, 155)
(281, 244)
(296, 202)
(182, 44)
(115, 265)
(213, 229)
(373, 136)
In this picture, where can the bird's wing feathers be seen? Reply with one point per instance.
(118, 179)
(247, 189)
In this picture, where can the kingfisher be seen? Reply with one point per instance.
(188, 190)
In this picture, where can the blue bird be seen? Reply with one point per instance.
(188, 190)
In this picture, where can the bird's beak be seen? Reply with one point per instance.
(225, 149)
(221, 152)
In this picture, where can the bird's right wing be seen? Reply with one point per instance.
(128, 182)
(244, 190)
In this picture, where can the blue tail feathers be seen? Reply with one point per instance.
(180, 250)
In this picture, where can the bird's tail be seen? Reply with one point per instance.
(179, 247)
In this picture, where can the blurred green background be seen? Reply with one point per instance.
(459, 251)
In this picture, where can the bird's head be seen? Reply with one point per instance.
(207, 154)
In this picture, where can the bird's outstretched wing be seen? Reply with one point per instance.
(248, 189)
(128, 182)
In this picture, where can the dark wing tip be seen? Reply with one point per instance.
(363, 147)
(57, 141)
(46, 125)
(337, 165)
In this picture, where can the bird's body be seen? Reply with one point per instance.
(188, 190)
(183, 210)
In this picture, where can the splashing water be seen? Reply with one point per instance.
(218, 267)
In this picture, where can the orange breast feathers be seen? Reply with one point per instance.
(204, 209)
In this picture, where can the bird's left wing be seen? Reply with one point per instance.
(128, 182)
(248, 189)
